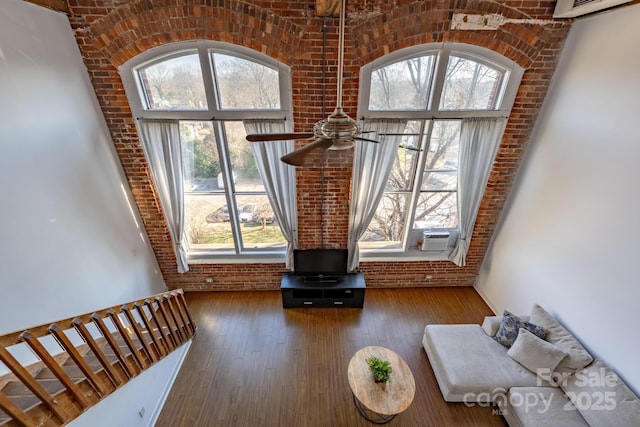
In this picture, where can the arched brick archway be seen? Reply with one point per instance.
(422, 22)
(137, 27)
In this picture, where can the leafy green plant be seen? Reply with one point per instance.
(381, 369)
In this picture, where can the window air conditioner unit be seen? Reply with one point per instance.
(435, 241)
(573, 8)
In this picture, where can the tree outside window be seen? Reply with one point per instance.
(226, 207)
(433, 90)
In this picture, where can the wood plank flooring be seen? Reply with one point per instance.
(253, 363)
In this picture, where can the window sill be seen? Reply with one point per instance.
(412, 254)
(279, 258)
(229, 258)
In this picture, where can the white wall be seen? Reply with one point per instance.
(70, 242)
(139, 402)
(570, 237)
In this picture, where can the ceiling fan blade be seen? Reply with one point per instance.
(296, 158)
(409, 147)
(259, 137)
(359, 138)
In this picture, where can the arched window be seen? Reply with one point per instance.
(433, 89)
(210, 91)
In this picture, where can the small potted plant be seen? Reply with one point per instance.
(380, 369)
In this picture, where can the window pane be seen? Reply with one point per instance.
(174, 84)
(207, 223)
(401, 177)
(437, 206)
(245, 173)
(436, 210)
(444, 146)
(259, 227)
(200, 158)
(404, 168)
(469, 85)
(244, 84)
(403, 85)
(387, 226)
(440, 181)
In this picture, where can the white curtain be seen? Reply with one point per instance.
(372, 164)
(279, 179)
(479, 141)
(161, 143)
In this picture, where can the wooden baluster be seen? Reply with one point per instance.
(171, 319)
(113, 376)
(124, 333)
(192, 325)
(15, 412)
(72, 351)
(175, 301)
(165, 317)
(174, 316)
(155, 318)
(113, 344)
(55, 368)
(156, 342)
(25, 377)
(136, 328)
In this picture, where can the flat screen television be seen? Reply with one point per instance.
(320, 262)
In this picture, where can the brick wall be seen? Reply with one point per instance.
(110, 32)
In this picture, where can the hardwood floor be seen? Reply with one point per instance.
(253, 363)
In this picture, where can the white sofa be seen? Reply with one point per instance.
(561, 386)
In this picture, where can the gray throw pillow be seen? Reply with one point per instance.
(509, 327)
(535, 353)
(577, 357)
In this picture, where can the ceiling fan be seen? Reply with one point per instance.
(337, 132)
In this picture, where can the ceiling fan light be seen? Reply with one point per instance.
(341, 146)
(339, 128)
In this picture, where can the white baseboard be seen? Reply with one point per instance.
(153, 418)
(126, 406)
(487, 300)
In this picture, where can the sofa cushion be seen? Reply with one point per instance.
(535, 353)
(602, 398)
(577, 357)
(491, 324)
(539, 407)
(509, 327)
(471, 366)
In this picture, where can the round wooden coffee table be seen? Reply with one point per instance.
(379, 402)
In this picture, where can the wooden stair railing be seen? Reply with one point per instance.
(111, 346)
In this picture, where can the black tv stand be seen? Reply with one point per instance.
(328, 291)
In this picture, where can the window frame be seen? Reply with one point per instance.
(217, 116)
(510, 82)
